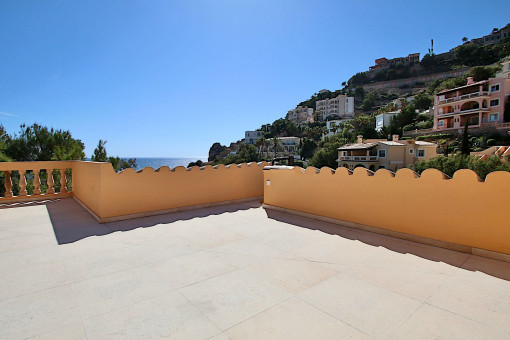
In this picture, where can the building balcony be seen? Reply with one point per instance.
(358, 158)
(463, 112)
(233, 267)
(463, 97)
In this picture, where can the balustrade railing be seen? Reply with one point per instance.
(32, 180)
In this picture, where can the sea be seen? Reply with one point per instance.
(156, 163)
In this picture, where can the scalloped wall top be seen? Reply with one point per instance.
(404, 173)
(166, 169)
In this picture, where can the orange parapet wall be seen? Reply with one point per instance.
(112, 196)
(463, 210)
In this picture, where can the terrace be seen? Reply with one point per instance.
(250, 270)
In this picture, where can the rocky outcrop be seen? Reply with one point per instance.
(218, 151)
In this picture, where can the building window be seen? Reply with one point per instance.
(495, 102)
(382, 153)
(493, 117)
(411, 151)
(440, 123)
(382, 167)
(495, 88)
(420, 153)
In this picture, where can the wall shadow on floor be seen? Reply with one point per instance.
(499, 269)
(71, 222)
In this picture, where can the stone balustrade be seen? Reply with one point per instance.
(34, 180)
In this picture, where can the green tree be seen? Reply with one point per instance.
(328, 154)
(422, 101)
(99, 154)
(465, 145)
(483, 72)
(449, 165)
(38, 143)
(307, 148)
(118, 164)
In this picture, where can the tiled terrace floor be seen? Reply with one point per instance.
(235, 272)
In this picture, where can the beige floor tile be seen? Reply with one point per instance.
(184, 270)
(15, 260)
(413, 283)
(294, 319)
(89, 246)
(214, 238)
(26, 241)
(109, 292)
(233, 297)
(292, 275)
(88, 266)
(429, 322)
(37, 313)
(155, 253)
(484, 299)
(337, 254)
(32, 279)
(369, 308)
(248, 247)
(72, 332)
(169, 316)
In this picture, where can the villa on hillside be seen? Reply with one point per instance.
(382, 63)
(476, 103)
(250, 137)
(374, 154)
(301, 115)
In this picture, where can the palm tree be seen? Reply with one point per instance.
(276, 144)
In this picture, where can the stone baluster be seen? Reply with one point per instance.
(50, 181)
(63, 181)
(37, 183)
(22, 183)
(8, 184)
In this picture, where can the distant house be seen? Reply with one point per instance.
(384, 119)
(300, 115)
(383, 154)
(333, 127)
(250, 137)
(341, 106)
(382, 63)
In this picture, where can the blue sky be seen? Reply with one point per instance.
(169, 78)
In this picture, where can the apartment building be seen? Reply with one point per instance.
(250, 137)
(341, 106)
(412, 58)
(476, 103)
(301, 114)
(382, 154)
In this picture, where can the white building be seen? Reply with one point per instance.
(341, 106)
(384, 119)
(250, 137)
(333, 127)
(287, 146)
(505, 71)
(301, 114)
